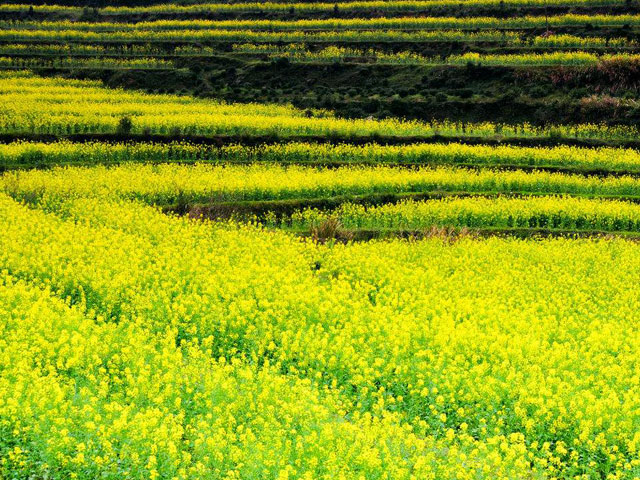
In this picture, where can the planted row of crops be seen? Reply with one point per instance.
(210, 184)
(606, 160)
(298, 53)
(550, 42)
(567, 214)
(54, 106)
(162, 27)
(365, 6)
(94, 63)
(213, 35)
(125, 50)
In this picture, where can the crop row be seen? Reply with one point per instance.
(213, 35)
(62, 107)
(554, 213)
(405, 23)
(97, 63)
(332, 55)
(125, 50)
(208, 184)
(518, 356)
(35, 154)
(529, 59)
(363, 6)
(82, 49)
(298, 53)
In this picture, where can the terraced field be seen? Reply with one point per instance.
(306, 240)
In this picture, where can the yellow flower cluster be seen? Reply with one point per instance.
(161, 347)
(85, 398)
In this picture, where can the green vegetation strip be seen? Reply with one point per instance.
(602, 160)
(226, 36)
(253, 141)
(554, 213)
(94, 63)
(512, 42)
(333, 54)
(305, 7)
(403, 23)
(181, 185)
